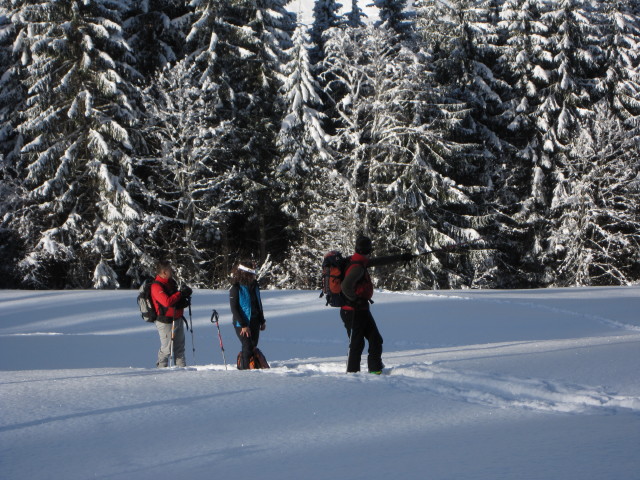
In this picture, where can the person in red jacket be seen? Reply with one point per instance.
(169, 303)
(357, 289)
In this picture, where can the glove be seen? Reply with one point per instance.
(186, 292)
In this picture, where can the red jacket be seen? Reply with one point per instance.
(166, 296)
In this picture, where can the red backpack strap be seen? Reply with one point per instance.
(351, 263)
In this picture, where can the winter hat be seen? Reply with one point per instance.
(364, 246)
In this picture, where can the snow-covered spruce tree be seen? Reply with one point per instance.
(210, 38)
(305, 171)
(567, 73)
(462, 36)
(463, 46)
(393, 15)
(195, 176)
(519, 171)
(193, 186)
(258, 120)
(155, 31)
(273, 27)
(11, 96)
(355, 17)
(10, 242)
(78, 219)
(240, 48)
(395, 150)
(568, 69)
(325, 17)
(553, 55)
(621, 44)
(301, 136)
(345, 65)
(596, 231)
(523, 50)
(13, 55)
(11, 91)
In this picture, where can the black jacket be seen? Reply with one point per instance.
(246, 304)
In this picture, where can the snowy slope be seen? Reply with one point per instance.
(540, 384)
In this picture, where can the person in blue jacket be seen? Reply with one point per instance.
(246, 308)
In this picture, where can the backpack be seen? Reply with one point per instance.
(256, 361)
(334, 267)
(147, 309)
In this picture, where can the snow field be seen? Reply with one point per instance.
(478, 385)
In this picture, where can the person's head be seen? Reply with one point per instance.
(164, 269)
(364, 245)
(244, 272)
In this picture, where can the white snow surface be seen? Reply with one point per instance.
(539, 384)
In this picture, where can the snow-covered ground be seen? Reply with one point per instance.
(541, 384)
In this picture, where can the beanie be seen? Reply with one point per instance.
(364, 245)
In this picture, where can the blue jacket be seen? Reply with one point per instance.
(246, 304)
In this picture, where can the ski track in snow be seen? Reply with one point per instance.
(509, 392)
(606, 321)
(487, 389)
(490, 390)
(430, 373)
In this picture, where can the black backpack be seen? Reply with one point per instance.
(147, 310)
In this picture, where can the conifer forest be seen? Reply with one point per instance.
(207, 131)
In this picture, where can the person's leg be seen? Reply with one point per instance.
(353, 324)
(255, 334)
(164, 331)
(178, 343)
(247, 349)
(371, 333)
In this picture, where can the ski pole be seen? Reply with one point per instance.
(193, 345)
(214, 315)
(173, 336)
(450, 248)
(173, 329)
(349, 351)
(405, 257)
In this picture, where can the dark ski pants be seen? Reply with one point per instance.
(360, 325)
(248, 344)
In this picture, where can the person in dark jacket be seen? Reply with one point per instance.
(357, 289)
(246, 308)
(169, 303)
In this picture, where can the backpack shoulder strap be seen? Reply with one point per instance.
(351, 263)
